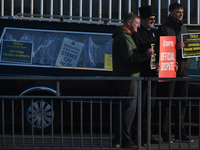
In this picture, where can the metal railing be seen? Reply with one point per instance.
(38, 111)
(177, 145)
(93, 11)
(77, 133)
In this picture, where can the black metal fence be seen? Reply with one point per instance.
(80, 122)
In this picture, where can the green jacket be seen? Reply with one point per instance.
(125, 55)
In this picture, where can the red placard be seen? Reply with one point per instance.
(167, 57)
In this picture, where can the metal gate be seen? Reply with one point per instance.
(93, 11)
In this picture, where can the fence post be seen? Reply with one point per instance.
(139, 114)
(149, 116)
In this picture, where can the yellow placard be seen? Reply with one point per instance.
(153, 58)
(108, 61)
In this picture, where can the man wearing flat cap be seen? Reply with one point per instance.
(145, 39)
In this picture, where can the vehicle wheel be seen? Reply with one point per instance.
(37, 116)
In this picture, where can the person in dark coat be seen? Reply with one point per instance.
(174, 27)
(126, 63)
(144, 39)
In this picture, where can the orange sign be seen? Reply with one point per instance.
(167, 57)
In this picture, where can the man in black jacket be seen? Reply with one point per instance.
(174, 27)
(144, 39)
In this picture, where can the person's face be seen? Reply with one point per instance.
(177, 14)
(134, 24)
(148, 22)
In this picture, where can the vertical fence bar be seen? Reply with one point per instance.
(189, 124)
(61, 103)
(61, 7)
(90, 10)
(198, 12)
(81, 115)
(58, 88)
(41, 8)
(159, 11)
(91, 127)
(120, 10)
(32, 128)
(61, 110)
(2, 7)
(32, 5)
(170, 114)
(149, 116)
(22, 122)
(110, 10)
(101, 123)
(52, 117)
(110, 123)
(130, 121)
(168, 3)
(139, 113)
(22, 7)
(80, 9)
(120, 122)
(160, 112)
(139, 5)
(179, 128)
(188, 11)
(72, 124)
(3, 125)
(70, 9)
(149, 2)
(169, 126)
(129, 6)
(12, 7)
(51, 9)
(100, 10)
(42, 127)
(13, 125)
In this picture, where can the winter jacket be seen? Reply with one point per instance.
(143, 39)
(173, 28)
(125, 55)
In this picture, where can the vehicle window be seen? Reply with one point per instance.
(194, 67)
(52, 48)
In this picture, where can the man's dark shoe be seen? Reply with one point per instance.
(183, 139)
(132, 146)
(166, 140)
(153, 141)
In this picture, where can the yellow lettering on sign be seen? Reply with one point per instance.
(194, 36)
(17, 43)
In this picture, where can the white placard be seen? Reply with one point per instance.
(69, 54)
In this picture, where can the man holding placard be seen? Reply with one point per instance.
(173, 27)
(145, 39)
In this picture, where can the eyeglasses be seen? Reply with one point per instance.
(152, 19)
